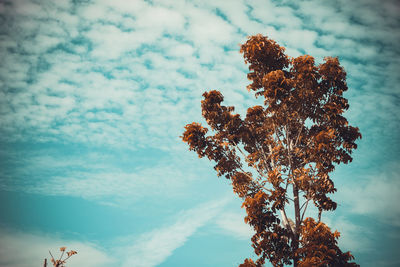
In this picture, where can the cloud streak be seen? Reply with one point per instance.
(28, 249)
(149, 249)
(375, 195)
(153, 248)
(232, 223)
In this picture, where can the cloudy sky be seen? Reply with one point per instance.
(95, 94)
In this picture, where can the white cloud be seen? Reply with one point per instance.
(122, 6)
(114, 45)
(154, 247)
(162, 19)
(143, 80)
(232, 223)
(152, 69)
(181, 50)
(271, 14)
(115, 179)
(207, 28)
(376, 196)
(30, 249)
(117, 185)
(27, 8)
(300, 39)
(149, 249)
(353, 237)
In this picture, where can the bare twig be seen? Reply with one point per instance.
(51, 255)
(60, 262)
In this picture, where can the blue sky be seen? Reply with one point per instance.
(95, 94)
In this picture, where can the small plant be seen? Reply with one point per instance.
(60, 262)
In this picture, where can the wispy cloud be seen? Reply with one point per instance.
(149, 249)
(375, 195)
(232, 223)
(98, 176)
(30, 249)
(124, 73)
(152, 248)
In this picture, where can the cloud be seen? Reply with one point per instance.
(154, 247)
(149, 249)
(67, 80)
(375, 195)
(133, 73)
(279, 16)
(118, 186)
(120, 177)
(29, 249)
(354, 237)
(108, 75)
(232, 223)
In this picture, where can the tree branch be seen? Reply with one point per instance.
(246, 159)
(255, 181)
(304, 211)
(319, 215)
(285, 219)
(298, 135)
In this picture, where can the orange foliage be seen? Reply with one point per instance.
(282, 151)
(319, 246)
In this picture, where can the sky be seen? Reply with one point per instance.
(95, 94)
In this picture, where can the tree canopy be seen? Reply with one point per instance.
(281, 154)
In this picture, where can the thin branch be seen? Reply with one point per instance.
(304, 211)
(276, 132)
(264, 156)
(61, 255)
(262, 150)
(298, 135)
(68, 257)
(53, 260)
(246, 158)
(252, 178)
(289, 158)
(272, 159)
(284, 217)
(51, 255)
(288, 148)
(304, 204)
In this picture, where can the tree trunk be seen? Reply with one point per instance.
(295, 244)
(295, 247)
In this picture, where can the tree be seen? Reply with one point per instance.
(281, 154)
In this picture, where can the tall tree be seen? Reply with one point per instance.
(280, 155)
